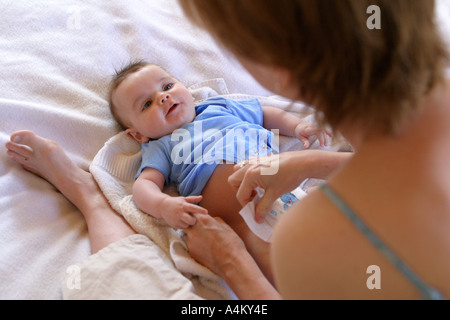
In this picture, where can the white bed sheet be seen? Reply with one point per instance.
(57, 58)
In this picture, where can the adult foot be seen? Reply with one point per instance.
(48, 160)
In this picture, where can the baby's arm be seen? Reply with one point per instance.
(178, 212)
(292, 126)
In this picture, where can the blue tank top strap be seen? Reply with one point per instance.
(426, 291)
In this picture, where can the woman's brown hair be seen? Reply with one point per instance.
(350, 73)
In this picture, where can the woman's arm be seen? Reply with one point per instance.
(215, 245)
(293, 168)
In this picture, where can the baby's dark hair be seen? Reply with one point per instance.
(118, 78)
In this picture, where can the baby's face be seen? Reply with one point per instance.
(153, 104)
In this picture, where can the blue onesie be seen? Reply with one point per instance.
(224, 131)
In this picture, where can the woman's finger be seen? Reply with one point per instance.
(193, 208)
(188, 220)
(235, 179)
(246, 190)
(264, 204)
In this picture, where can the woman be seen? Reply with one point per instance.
(379, 228)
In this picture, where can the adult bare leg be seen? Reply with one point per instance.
(48, 160)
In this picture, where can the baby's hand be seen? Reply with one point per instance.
(304, 131)
(179, 211)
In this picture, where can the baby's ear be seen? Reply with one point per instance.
(136, 135)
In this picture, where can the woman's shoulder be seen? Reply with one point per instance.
(309, 244)
(318, 253)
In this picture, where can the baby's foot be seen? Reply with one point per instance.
(48, 160)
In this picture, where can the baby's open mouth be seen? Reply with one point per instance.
(172, 108)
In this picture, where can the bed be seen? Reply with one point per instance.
(57, 60)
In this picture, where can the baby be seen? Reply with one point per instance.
(192, 145)
(196, 147)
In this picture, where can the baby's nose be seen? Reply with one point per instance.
(164, 97)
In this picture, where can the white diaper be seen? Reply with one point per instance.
(281, 205)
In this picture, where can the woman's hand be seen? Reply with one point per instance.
(179, 212)
(276, 174)
(214, 244)
(280, 174)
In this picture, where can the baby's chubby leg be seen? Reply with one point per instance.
(48, 160)
(219, 199)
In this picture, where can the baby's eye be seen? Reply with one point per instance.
(168, 86)
(147, 105)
